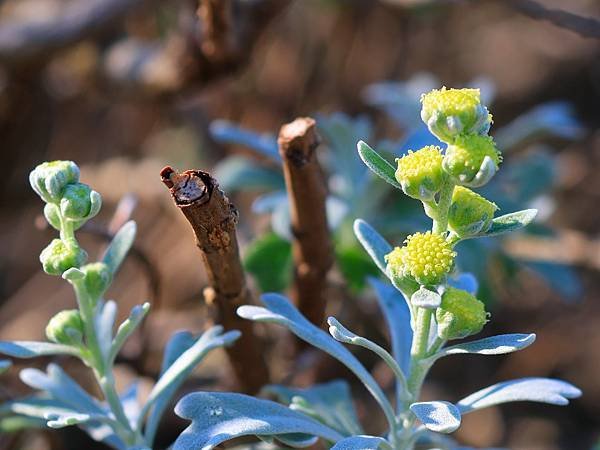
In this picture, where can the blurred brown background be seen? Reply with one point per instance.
(123, 97)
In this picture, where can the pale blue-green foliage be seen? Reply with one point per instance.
(120, 420)
(216, 418)
(526, 179)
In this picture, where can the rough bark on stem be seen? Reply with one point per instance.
(213, 219)
(307, 192)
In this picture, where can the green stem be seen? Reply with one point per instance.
(97, 361)
(440, 219)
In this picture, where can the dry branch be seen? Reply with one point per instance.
(584, 26)
(25, 42)
(213, 219)
(307, 192)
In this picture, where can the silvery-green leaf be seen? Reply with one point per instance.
(561, 277)
(361, 443)
(104, 322)
(374, 244)
(120, 245)
(280, 311)
(397, 316)
(297, 440)
(267, 203)
(331, 403)
(73, 274)
(377, 164)
(510, 222)
(542, 390)
(237, 173)
(438, 416)
(61, 387)
(218, 417)
(131, 404)
(41, 408)
(5, 364)
(424, 298)
(342, 334)
(341, 132)
(227, 132)
(178, 343)
(175, 375)
(553, 118)
(65, 420)
(126, 329)
(465, 281)
(31, 349)
(494, 345)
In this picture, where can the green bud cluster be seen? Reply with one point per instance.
(460, 314)
(69, 204)
(66, 328)
(469, 213)
(441, 179)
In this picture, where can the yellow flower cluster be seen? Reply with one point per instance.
(420, 173)
(464, 158)
(427, 257)
(470, 213)
(460, 314)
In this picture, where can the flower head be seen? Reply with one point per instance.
(79, 202)
(427, 257)
(66, 327)
(420, 173)
(49, 179)
(59, 256)
(449, 113)
(97, 278)
(460, 314)
(470, 213)
(472, 160)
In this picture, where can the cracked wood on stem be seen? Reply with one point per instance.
(312, 247)
(213, 219)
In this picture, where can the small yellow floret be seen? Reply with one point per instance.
(420, 173)
(464, 158)
(451, 101)
(427, 257)
(470, 213)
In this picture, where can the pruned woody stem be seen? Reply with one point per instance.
(213, 219)
(307, 192)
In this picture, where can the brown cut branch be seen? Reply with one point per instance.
(213, 219)
(307, 192)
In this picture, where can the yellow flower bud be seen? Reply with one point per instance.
(460, 314)
(420, 173)
(472, 160)
(97, 278)
(470, 213)
(426, 257)
(79, 202)
(58, 257)
(449, 113)
(66, 327)
(50, 178)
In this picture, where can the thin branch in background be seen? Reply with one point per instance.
(213, 219)
(307, 192)
(584, 26)
(37, 41)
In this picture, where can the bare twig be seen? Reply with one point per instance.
(213, 219)
(22, 43)
(312, 247)
(584, 26)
